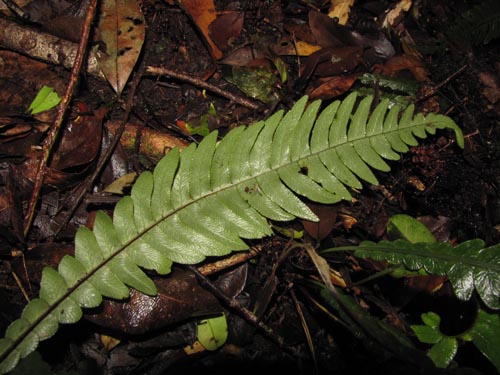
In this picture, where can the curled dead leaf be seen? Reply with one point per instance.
(331, 87)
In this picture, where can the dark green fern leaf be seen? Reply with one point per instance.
(469, 265)
(207, 199)
(479, 25)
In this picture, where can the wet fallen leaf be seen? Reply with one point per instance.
(332, 87)
(396, 64)
(491, 90)
(287, 47)
(327, 215)
(122, 29)
(174, 303)
(257, 82)
(203, 13)
(225, 28)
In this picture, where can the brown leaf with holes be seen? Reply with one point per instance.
(122, 29)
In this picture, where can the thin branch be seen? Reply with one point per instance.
(103, 160)
(54, 50)
(61, 111)
(245, 102)
(242, 311)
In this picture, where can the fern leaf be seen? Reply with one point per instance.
(479, 25)
(209, 198)
(469, 266)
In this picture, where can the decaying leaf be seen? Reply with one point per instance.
(404, 62)
(122, 29)
(73, 157)
(203, 13)
(226, 27)
(327, 215)
(332, 87)
(174, 303)
(395, 15)
(288, 47)
(340, 9)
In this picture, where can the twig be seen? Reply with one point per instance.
(204, 85)
(61, 111)
(103, 160)
(244, 312)
(238, 258)
(432, 91)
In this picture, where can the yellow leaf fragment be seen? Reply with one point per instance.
(395, 15)
(340, 9)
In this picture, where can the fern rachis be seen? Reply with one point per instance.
(205, 200)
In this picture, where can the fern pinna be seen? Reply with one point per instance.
(209, 198)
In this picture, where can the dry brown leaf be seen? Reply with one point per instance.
(122, 29)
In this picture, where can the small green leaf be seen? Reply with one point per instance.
(46, 99)
(409, 228)
(282, 68)
(443, 352)
(486, 336)
(431, 319)
(212, 333)
(426, 334)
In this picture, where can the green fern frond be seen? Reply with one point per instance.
(479, 25)
(469, 265)
(207, 199)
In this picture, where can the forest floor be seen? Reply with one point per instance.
(202, 69)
